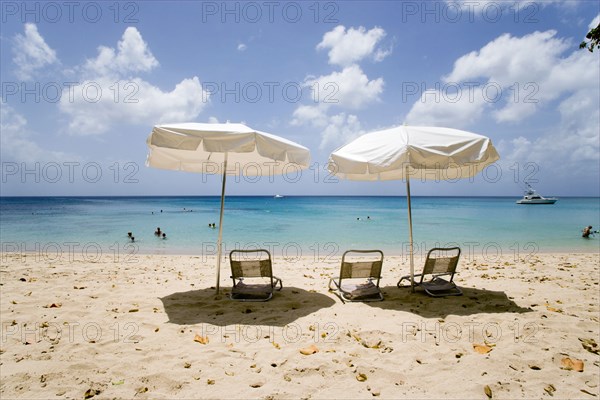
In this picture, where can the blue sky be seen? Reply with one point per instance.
(84, 82)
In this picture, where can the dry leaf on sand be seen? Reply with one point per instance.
(571, 364)
(482, 348)
(550, 389)
(488, 391)
(553, 309)
(590, 345)
(307, 351)
(201, 339)
(90, 393)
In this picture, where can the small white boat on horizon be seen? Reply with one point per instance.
(532, 197)
(278, 196)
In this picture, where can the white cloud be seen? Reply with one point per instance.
(341, 128)
(132, 55)
(572, 149)
(440, 108)
(349, 88)
(139, 102)
(347, 47)
(524, 74)
(109, 93)
(534, 75)
(594, 22)
(16, 143)
(335, 129)
(508, 59)
(380, 54)
(31, 53)
(315, 115)
(580, 119)
(514, 150)
(242, 47)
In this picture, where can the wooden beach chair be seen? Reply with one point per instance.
(439, 262)
(252, 274)
(359, 278)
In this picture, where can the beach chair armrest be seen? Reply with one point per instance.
(407, 277)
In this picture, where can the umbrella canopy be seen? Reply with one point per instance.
(209, 148)
(428, 153)
(198, 147)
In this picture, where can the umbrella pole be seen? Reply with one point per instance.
(410, 232)
(220, 240)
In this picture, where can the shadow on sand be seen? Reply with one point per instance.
(291, 303)
(473, 301)
(202, 306)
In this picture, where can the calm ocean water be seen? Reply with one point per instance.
(293, 226)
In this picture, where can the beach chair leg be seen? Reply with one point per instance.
(337, 290)
(277, 282)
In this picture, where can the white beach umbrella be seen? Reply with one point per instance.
(404, 152)
(227, 149)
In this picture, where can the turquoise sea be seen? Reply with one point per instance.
(294, 226)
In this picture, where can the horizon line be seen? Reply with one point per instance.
(283, 196)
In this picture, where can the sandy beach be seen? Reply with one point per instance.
(150, 326)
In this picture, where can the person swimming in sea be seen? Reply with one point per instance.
(587, 231)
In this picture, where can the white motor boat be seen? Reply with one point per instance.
(532, 197)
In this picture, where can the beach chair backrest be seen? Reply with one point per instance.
(250, 263)
(362, 269)
(441, 261)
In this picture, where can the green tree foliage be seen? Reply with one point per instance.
(594, 39)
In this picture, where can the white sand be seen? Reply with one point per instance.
(126, 330)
